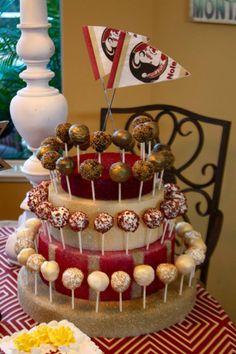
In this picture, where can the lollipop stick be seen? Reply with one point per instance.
(127, 243)
(140, 190)
(68, 186)
(99, 157)
(171, 229)
(181, 284)
(149, 147)
(123, 155)
(102, 244)
(48, 232)
(97, 301)
(93, 190)
(165, 292)
(120, 301)
(62, 238)
(66, 150)
(53, 181)
(80, 242)
(144, 297)
(50, 291)
(78, 157)
(148, 238)
(191, 276)
(143, 151)
(164, 231)
(161, 178)
(35, 284)
(72, 299)
(119, 192)
(154, 184)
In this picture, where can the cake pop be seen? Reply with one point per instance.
(167, 273)
(34, 224)
(43, 211)
(182, 227)
(143, 171)
(152, 218)
(62, 132)
(72, 279)
(144, 275)
(23, 242)
(120, 173)
(79, 135)
(98, 281)
(139, 120)
(120, 281)
(78, 222)
(198, 256)
(59, 218)
(49, 162)
(163, 158)
(103, 223)
(185, 265)
(23, 256)
(143, 134)
(100, 141)
(34, 263)
(43, 149)
(198, 243)
(191, 235)
(50, 271)
(65, 165)
(170, 209)
(122, 138)
(53, 141)
(128, 221)
(90, 170)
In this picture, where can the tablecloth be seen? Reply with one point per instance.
(206, 330)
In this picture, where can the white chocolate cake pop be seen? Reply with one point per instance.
(23, 242)
(191, 235)
(50, 270)
(167, 273)
(34, 224)
(144, 274)
(182, 227)
(185, 264)
(98, 281)
(197, 254)
(72, 278)
(198, 243)
(34, 262)
(24, 254)
(24, 232)
(120, 281)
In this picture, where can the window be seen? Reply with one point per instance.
(12, 146)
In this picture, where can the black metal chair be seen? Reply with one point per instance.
(178, 123)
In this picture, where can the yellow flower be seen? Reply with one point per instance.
(61, 336)
(41, 333)
(25, 341)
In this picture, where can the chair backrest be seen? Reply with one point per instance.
(191, 136)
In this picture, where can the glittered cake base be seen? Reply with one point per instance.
(108, 322)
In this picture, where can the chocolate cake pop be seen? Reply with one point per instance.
(79, 134)
(98, 281)
(59, 218)
(72, 279)
(143, 134)
(100, 141)
(90, 170)
(103, 223)
(65, 165)
(42, 150)
(128, 221)
(121, 138)
(120, 281)
(78, 222)
(144, 275)
(120, 173)
(167, 273)
(48, 161)
(50, 272)
(53, 141)
(62, 132)
(152, 218)
(139, 120)
(143, 171)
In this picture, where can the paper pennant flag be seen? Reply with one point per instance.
(101, 44)
(137, 63)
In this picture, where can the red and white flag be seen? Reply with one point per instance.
(101, 43)
(137, 63)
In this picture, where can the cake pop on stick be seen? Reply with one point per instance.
(170, 209)
(62, 132)
(50, 271)
(180, 229)
(142, 133)
(152, 218)
(120, 173)
(98, 281)
(185, 265)
(34, 263)
(65, 165)
(90, 170)
(43, 212)
(59, 217)
(167, 273)
(23, 242)
(155, 132)
(120, 281)
(49, 162)
(54, 142)
(78, 222)
(128, 221)
(144, 276)
(190, 236)
(198, 256)
(143, 171)
(23, 256)
(122, 138)
(100, 141)
(103, 223)
(79, 134)
(72, 279)
(158, 165)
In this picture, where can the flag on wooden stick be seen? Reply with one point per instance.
(137, 62)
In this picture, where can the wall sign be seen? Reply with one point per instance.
(216, 11)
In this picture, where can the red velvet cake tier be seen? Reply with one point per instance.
(105, 188)
(110, 262)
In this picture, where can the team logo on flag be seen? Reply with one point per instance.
(146, 63)
(109, 41)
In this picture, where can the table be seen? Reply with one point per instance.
(206, 330)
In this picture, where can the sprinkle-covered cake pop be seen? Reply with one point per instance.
(62, 132)
(72, 279)
(78, 221)
(139, 120)
(143, 133)
(128, 220)
(100, 141)
(59, 217)
(153, 218)
(142, 170)
(103, 222)
(90, 169)
(120, 281)
(49, 159)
